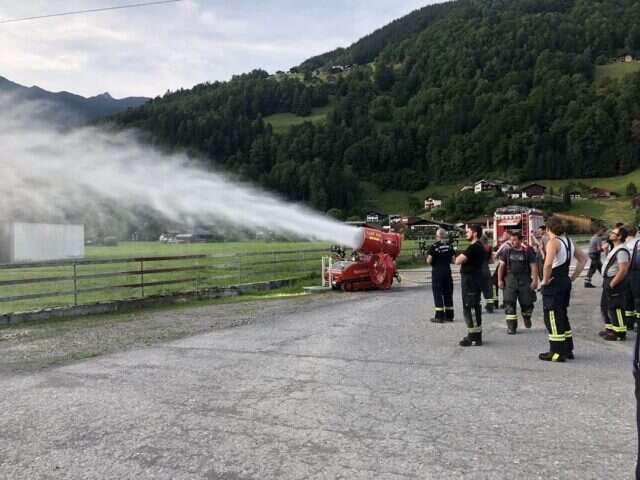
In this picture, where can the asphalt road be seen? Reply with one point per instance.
(360, 389)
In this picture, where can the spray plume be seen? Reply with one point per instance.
(47, 173)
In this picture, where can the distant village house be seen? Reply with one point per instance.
(596, 192)
(482, 186)
(376, 217)
(575, 195)
(431, 203)
(535, 191)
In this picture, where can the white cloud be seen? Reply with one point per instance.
(147, 51)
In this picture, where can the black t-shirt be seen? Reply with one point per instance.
(441, 254)
(475, 257)
(518, 261)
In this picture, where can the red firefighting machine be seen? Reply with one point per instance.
(372, 265)
(517, 219)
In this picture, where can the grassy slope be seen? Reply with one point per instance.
(616, 184)
(616, 71)
(281, 122)
(611, 211)
(397, 201)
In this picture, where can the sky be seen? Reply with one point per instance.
(147, 51)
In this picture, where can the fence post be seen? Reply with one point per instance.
(75, 284)
(197, 274)
(142, 277)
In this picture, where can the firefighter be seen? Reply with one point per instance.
(496, 291)
(595, 252)
(518, 278)
(636, 376)
(540, 240)
(556, 290)
(440, 256)
(631, 310)
(634, 276)
(470, 262)
(614, 286)
(488, 289)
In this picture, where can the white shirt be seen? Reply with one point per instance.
(631, 243)
(561, 255)
(619, 254)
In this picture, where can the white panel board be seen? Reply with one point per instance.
(31, 242)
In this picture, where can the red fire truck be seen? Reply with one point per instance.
(517, 219)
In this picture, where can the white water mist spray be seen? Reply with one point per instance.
(47, 172)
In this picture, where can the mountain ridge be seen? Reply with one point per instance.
(68, 107)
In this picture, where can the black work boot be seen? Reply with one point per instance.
(489, 307)
(468, 342)
(512, 327)
(552, 357)
(588, 284)
(615, 337)
(527, 321)
(436, 320)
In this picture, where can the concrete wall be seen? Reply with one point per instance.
(130, 305)
(36, 242)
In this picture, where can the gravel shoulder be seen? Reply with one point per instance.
(27, 348)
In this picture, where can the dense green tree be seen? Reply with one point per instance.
(458, 90)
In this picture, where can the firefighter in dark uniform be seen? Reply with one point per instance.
(636, 376)
(505, 242)
(556, 290)
(487, 287)
(472, 280)
(440, 256)
(614, 287)
(631, 309)
(518, 276)
(634, 276)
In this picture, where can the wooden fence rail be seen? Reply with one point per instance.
(71, 281)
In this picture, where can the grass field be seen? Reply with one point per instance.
(157, 249)
(397, 201)
(616, 71)
(251, 262)
(267, 261)
(611, 211)
(281, 122)
(616, 184)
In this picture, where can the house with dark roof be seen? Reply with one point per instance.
(532, 191)
(596, 192)
(376, 217)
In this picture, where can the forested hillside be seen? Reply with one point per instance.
(451, 91)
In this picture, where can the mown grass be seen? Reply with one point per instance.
(267, 261)
(281, 122)
(616, 184)
(611, 211)
(616, 71)
(397, 201)
(255, 262)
